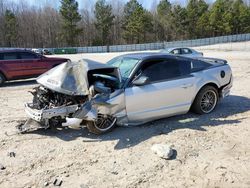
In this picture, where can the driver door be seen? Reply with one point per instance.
(169, 91)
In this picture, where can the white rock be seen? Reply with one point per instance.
(162, 150)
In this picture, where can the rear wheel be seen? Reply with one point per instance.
(103, 124)
(2, 79)
(206, 100)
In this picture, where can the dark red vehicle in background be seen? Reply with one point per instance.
(21, 64)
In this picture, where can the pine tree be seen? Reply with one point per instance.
(10, 28)
(148, 27)
(219, 16)
(164, 8)
(164, 15)
(104, 20)
(202, 27)
(70, 18)
(180, 23)
(195, 10)
(238, 18)
(244, 18)
(135, 22)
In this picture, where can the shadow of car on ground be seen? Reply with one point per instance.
(131, 136)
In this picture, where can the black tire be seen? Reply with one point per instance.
(2, 79)
(102, 125)
(206, 100)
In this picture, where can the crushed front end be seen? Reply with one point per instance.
(87, 91)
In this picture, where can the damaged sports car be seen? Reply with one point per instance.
(129, 90)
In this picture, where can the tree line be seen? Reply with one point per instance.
(111, 22)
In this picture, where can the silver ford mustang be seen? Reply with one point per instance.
(129, 90)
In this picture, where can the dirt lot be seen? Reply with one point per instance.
(212, 150)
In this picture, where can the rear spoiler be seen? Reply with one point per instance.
(213, 60)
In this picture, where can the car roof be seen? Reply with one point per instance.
(153, 55)
(173, 48)
(170, 49)
(15, 50)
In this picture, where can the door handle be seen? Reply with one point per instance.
(185, 86)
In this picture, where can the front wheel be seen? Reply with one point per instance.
(103, 124)
(206, 100)
(2, 79)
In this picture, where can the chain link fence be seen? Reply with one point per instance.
(208, 41)
(202, 43)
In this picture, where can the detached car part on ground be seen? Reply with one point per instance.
(130, 90)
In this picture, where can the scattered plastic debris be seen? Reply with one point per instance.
(57, 182)
(83, 186)
(46, 184)
(2, 167)
(114, 172)
(12, 154)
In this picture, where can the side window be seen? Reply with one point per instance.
(27, 55)
(161, 70)
(10, 56)
(186, 51)
(197, 65)
(185, 67)
(1, 56)
(175, 51)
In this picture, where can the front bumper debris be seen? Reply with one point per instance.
(42, 115)
(30, 125)
(39, 119)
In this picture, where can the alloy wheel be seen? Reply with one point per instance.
(208, 101)
(104, 122)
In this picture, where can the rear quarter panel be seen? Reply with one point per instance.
(213, 75)
(48, 63)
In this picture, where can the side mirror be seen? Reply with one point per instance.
(101, 88)
(142, 80)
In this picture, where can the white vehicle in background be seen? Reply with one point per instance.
(187, 52)
(36, 50)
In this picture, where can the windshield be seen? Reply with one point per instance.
(125, 64)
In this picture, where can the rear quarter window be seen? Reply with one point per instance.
(27, 55)
(197, 65)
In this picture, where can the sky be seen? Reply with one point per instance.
(148, 4)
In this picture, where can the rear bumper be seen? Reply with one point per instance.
(226, 89)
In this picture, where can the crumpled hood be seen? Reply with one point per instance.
(71, 78)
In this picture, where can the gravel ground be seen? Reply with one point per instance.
(212, 150)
